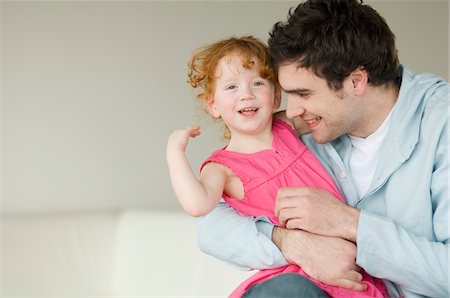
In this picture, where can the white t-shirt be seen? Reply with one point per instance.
(365, 155)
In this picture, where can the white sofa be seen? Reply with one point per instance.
(124, 253)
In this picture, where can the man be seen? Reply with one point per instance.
(382, 132)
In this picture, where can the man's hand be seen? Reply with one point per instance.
(330, 260)
(316, 211)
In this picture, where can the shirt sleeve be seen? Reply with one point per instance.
(243, 242)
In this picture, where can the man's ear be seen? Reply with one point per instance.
(212, 107)
(359, 78)
(277, 98)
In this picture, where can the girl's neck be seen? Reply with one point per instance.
(243, 143)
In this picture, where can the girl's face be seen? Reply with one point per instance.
(243, 99)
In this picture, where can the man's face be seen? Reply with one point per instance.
(328, 113)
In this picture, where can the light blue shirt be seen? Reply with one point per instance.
(403, 229)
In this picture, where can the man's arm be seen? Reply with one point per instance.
(243, 242)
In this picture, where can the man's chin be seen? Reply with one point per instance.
(321, 139)
(318, 138)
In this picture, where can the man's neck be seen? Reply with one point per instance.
(380, 101)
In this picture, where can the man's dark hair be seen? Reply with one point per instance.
(334, 37)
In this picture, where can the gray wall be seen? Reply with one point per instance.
(91, 91)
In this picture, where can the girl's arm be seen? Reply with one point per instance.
(197, 198)
(297, 123)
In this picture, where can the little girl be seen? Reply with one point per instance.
(263, 154)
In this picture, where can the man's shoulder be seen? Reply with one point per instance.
(320, 150)
(426, 86)
(308, 141)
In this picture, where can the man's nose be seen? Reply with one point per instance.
(293, 108)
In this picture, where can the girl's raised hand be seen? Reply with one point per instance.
(179, 139)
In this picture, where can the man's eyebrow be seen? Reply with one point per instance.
(297, 91)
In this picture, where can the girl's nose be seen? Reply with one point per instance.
(247, 94)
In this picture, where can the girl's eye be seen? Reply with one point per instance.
(258, 83)
(231, 87)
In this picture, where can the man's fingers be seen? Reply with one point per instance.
(293, 191)
(351, 285)
(287, 214)
(355, 276)
(287, 197)
(352, 281)
(292, 223)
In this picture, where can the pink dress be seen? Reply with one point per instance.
(288, 163)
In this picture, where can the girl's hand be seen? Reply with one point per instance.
(179, 139)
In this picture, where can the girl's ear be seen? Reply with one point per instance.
(212, 107)
(360, 79)
(277, 99)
